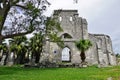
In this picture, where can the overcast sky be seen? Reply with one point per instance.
(103, 16)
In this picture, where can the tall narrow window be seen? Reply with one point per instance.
(66, 54)
(71, 19)
(60, 18)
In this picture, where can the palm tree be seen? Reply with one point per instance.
(3, 48)
(18, 47)
(83, 45)
(3, 51)
(35, 46)
(37, 41)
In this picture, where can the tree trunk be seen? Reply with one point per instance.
(83, 57)
(37, 57)
(0, 39)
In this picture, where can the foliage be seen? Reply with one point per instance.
(3, 47)
(35, 45)
(17, 43)
(90, 73)
(118, 55)
(23, 17)
(20, 17)
(83, 45)
(18, 46)
(52, 29)
(52, 25)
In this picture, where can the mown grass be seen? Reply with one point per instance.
(89, 73)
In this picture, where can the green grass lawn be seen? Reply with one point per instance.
(89, 73)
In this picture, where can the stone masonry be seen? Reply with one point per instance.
(74, 29)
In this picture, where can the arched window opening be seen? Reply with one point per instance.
(60, 18)
(71, 19)
(66, 54)
(66, 35)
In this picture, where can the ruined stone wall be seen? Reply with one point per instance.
(76, 27)
(92, 54)
(102, 48)
(56, 56)
(106, 48)
(72, 23)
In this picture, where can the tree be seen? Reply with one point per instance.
(38, 40)
(83, 45)
(3, 49)
(118, 55)
(35, 45)
(20, 17)
(18, 47)
(52, 29)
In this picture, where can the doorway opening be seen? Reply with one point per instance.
(66, 55)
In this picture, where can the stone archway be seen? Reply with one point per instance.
(66, 36)
(66, 54)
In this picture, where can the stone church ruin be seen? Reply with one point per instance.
(74, 29)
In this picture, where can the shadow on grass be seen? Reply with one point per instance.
(9, 70)
(5, 70)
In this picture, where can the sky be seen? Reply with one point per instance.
(103, 16)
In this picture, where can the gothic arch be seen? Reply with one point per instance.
(66, 54)
(66, 36)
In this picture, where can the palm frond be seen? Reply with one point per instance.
(83, 45)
